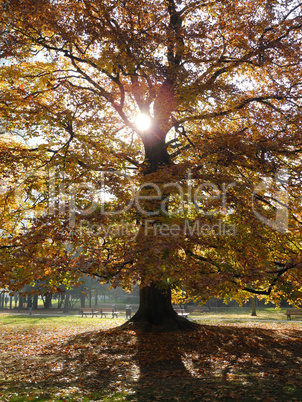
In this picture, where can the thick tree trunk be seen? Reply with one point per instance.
(156, 313)
(156, 155)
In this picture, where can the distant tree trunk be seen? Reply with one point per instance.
(90, 298)
(48, 298)
(254, 314)
(83, 297)
(20, 302)
(66, 301)
(61, 299)
(96, 297)
(30, 304)
(16, 299)
(35, 302)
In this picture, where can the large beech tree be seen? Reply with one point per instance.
(205, 200)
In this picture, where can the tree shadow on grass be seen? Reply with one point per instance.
(163, 374)
(219, 363)
(231, 363)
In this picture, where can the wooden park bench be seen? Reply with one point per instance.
(289, 313)
(181, 311)
(89, 311)
(106, 311)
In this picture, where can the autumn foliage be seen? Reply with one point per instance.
(206, 200)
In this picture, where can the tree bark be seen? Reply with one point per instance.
(90, 298)
(20, 302)
(66, 301)
(254, 314)
(156, 155)
(83, 299)
(48, 301)
(156, 313)
(35, 302)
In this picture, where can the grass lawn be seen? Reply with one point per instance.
(242, 314)
(232, 357)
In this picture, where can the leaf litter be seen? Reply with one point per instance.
(95, 360)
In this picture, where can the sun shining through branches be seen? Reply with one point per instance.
(220, 87)
(142, 122)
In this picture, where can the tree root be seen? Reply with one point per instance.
(169, 324)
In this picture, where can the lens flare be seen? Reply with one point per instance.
(142, 122)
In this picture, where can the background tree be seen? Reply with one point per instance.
(221, 84)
